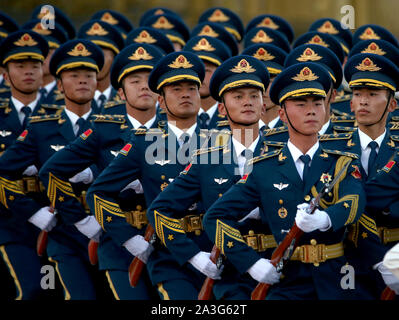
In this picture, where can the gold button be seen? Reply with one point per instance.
(220, 194)
(251, 232)
(3, 146)
(307, 197)
(163, 177)
(281, 201)
(313, 242)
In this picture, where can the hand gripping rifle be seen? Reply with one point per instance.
(286, 248)
(206, 289)
(41, 243)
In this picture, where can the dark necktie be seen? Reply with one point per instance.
(306, 160)
(204, 117)
(27, 111)
(247, 154)
(184, 144)
(81, 123)
(264, 127)
(102, 100)
(372, 158)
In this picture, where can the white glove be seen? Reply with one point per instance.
(30, 171)
(319, 220)
(89, 227)
(135, 185)
(263, 271)
(44, 219)
(389, 278)
(391, 260)
(139, 247)
(202, 262)
(85, 176)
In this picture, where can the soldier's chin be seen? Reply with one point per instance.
(81, 100)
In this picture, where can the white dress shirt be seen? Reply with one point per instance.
(296, 153)
(364, 144)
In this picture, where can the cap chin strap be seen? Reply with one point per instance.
(235, 122)
(391, 94)
(74, 101)
(18, 89)
(166, 105)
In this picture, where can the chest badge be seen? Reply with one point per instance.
(162, 162)
(281, 185)
(57, 147)
(5, 133)
(220, 180)
(325, 178)
(114, 153)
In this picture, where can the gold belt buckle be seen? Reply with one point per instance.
(252, 240)
(31, 184)
(383, 234)
(192, 223)
(313, 253)
(136, 218)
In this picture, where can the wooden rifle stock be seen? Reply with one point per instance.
(136, 266)
(388, 294)
(206, 289)
(92, 251)
(42, 239)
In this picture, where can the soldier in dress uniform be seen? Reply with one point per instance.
(75, 64)
(239, 83)
(151, 157)
(111, 42)
(374, 80)
(55, 37)
(7, 26)
(21, 54)
(172, 26)
(273, 58)
(266, 35)
(212, 52)
(100, 146)
(282, 183)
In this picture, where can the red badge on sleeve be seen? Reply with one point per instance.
(23, 135)
(187, 169)
(125, 150)
(388, 166)
(86, 134)
(356, 172)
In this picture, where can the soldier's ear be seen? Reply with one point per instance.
(333, 95)
(121, 93)
(281, 113)
(161, 101)
(393, 103)
(222, 108)
(60, 85)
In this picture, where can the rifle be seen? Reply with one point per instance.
(388, 294)
(206, 289)
(136, 266)
(286, 248)
(42, 239)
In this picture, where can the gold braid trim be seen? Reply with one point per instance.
(169, 223)
(223, 229)
(58, 184)
(101, 204)
(9, 185)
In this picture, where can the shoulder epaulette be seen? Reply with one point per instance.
(269, 132)
(2, 90)
(52, 106)
(141, 131)
(274, 143)
(335, 136)
(264, 156)
(342, 153)
(59, 97)
(3, 104)
(394, 126)
(110, 118)
(222, 123)
(207, 150)
(395, 119)
(47, 117)
(345, 97)
(346, 118)
(113, 103)
(394, 138)
(162, 111)
(344, 129)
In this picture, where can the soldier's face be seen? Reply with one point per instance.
(136, 91)
(108, 59)
(25, 75)
(242, 105)
(305, 114)
(78, 84)
(368, 105)
(209, 70)
(182, 99)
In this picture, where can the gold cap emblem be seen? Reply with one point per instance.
(218, 16)
(208, 31)
(318, 40)
(309, 55)
(369, 34)
(107, 17)
(79, 50)
(180, 62)
(243, 66)
(261, 37)
(374, 48)
(141, 54)
(203, 45)
(262, 54)
(25, 40)
(268, 22)
(328, 27)
(40, 30)
(305, 75)
(96, 30)
(162, 23)
(144, 37)
(367, 65)
(159, 12)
